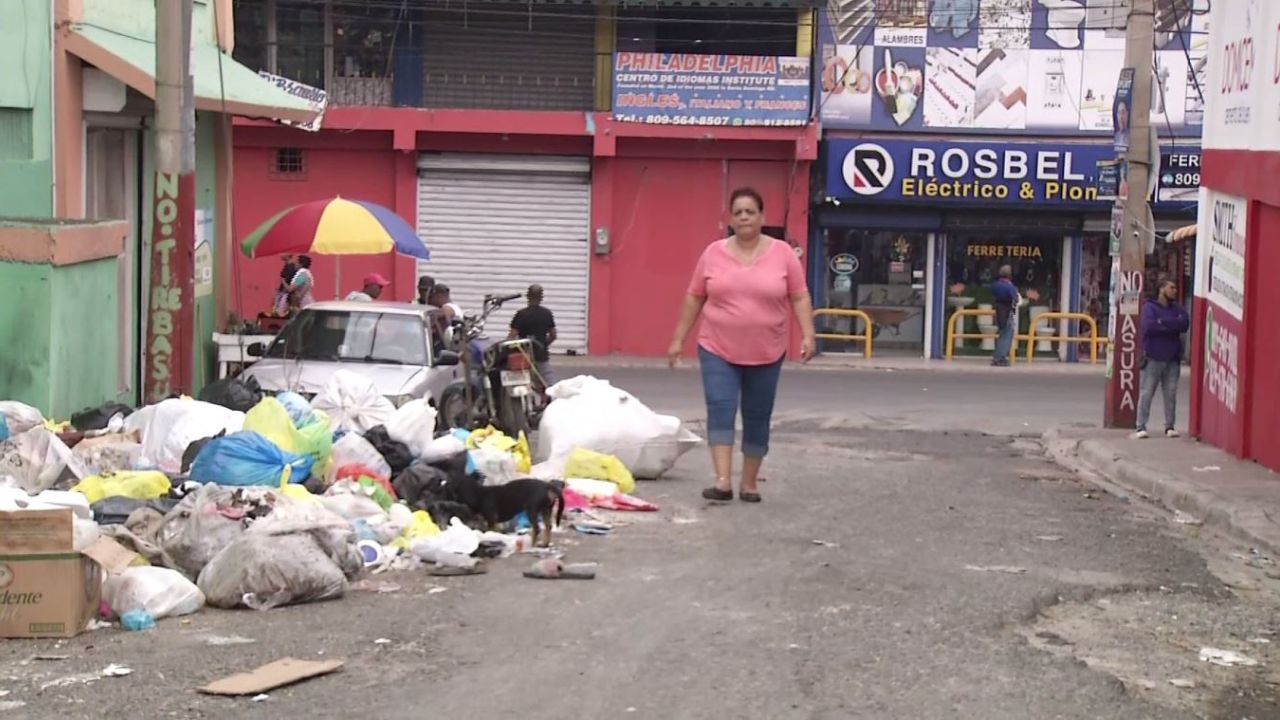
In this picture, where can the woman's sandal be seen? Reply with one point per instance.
(715, 493)
(749, 497)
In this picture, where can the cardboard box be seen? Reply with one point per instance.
(47, 589)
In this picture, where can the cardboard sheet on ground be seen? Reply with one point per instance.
(285, 671)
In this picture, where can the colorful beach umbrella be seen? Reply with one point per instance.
(334, 227)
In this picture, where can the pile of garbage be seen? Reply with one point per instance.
(241, 499)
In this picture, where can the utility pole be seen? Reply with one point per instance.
(170, 351)
(1124, 373)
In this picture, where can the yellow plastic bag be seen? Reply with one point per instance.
(592, 465)
(270, 419)
(141, 485)
(495, 439)
(423, 526)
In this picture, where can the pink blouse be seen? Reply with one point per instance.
(746, 317)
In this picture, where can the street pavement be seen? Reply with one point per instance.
(916, 556)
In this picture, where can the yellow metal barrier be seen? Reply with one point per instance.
(1092, 338)
(952, 335)
(864, 336)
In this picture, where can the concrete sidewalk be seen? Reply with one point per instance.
(1239, 498)
(838, 362)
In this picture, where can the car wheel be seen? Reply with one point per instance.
(454, 412)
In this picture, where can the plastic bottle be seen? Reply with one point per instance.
(135, 620)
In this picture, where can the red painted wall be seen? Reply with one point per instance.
(665, 213)
(661, 192)
(360, 168)
(1263, 423)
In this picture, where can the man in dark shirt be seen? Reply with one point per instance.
(538, 324)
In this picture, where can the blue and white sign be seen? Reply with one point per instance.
(974, 173)
(729, 90)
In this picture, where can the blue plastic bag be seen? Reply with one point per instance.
(4, 428)
(299, 409)
(247, 458)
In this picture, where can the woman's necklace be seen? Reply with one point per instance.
(742, 253)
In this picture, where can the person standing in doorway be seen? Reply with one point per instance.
(744, 288)
(372, 289)
(1164, 320)
(535, 322)
(281, 305)
(1007, 299)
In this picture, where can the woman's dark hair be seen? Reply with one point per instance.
(304, 261)
(747, 192)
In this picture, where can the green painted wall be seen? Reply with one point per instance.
(84, 353)
(26, 109)
(25, 333)
(206, 203)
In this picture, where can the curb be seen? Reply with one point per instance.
(1098, 463)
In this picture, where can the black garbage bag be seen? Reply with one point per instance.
(396, 454)
(189, 455)
(454, 467)
(116, 510)
(232, 393)
(421, 484)
(97, 418)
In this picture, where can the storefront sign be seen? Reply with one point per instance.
(1179, 177)
(690, 89)
(1223, 221)
(1221, 361)
(1243, 86)
(976, 173)
(315, 97)
(996, 251)
(844, 264)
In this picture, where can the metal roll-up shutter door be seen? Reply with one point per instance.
(510, 56)
(497, 224)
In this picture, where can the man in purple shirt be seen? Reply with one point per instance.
(1164, 321)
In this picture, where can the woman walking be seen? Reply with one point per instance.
(743, 287)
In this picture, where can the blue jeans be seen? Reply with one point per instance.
(1004, 341)
(725, 384)
(1163, 375)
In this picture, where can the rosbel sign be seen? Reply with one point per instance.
(969, 173)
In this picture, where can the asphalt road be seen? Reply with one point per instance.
(893, 571)
(1010, 401)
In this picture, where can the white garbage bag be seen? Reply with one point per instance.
(36, 458)
(160, 591)
(451, 548)
(413, 424)
(592, 414)
(170, 426)
(352, 403)
(443, 448)
(497, 467)
(20, 417)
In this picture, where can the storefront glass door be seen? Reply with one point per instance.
(973, 264)
(881, 273)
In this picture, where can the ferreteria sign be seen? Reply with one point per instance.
(999, 174)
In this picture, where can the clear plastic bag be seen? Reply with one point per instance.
(159, 591)
(300, 553)
(204, 523)
(20, 417)
(352, 449)
(35, 459)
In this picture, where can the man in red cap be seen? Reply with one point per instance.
(373, 284)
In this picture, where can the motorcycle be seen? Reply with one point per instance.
(501, 386)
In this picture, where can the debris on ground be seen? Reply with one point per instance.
(280, 673)
(1184, 519)
(1226, 658)
(1006, 569)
